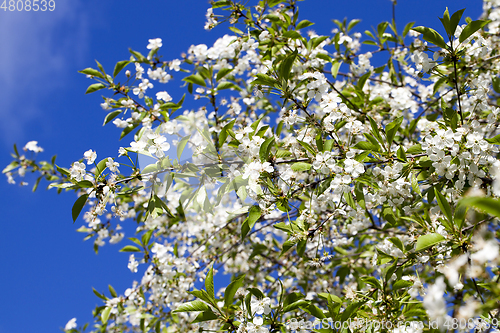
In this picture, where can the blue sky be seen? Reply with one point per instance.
(47, 270)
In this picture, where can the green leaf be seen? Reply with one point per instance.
(313, 310)
(454, 20)
(295, 305)
(63, 171)
(496, 84)
(407, 28)
(399, 244)
(334, 298)
(119, 66)
(231, 290)
(360, 196)
(414, 185)
(85, 184)
(253, 216)
(227, 85)
(400, 284)
(128, 129)
(221, 3)
(350, 200)
(286, 66)
(301, 166)
(488, 205)
(388, 215)
(91, 71)
(193, 306)
(101, 166)
(98, 294)
(147, 236)
(209, 283)
(95, 87)
(375, 129)
(223, 72)
(292, 34)
(352, 24)
(283, 153)
(495, 140)
(372, 281)
(308, 147)
(365, 145)
(112, 291)
(350, 311)
(201, 294)
(362, 80)
(381, 27)
(415, 149)
(256, 292)
(101, 68)
(11, 166)
(446, 21)
(401, 153)
(443, 204)
(471, 28)
(265, 149)
(78, 206)
(130, 248)
(36, 183)
(205, 316)
(182, 144)
(110, 116)
(105, 314)
(335, 68)
(431, 36)
(459, 218)
(426, 241)
(196, 79)
(264, 80)
(303, 24)
(138, 56)
(391, 130)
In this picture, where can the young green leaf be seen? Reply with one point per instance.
(94, 87)
(265, 149)
(443, 204)
(92, 72)
(110, 116)
(182, 144)
(78, 206)
(407, 28)
(391, 130)
(495, 140)
(455, 19)
(472, 28)
(223, 72)
(205, 316)
(426, 241)
(431, 36)
(196, 79)
(488, 205)
(105, 314)
(209, 283)
(303, 24)
(446, 21)
(301, 166)
(231, 290)
(400, 284)
(192, 306)
(119, 66)
(130, 248)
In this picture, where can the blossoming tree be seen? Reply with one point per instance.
(332, 191)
